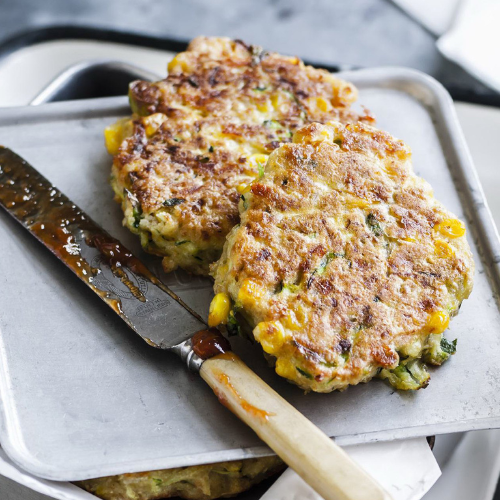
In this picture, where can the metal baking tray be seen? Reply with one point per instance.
(83, 397)
(93, 78)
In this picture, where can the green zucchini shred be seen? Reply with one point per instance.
(172, 202)
(272, 123)
(245, 203)
(374, 225)
(326, 364)
(233, 327)
(261, 170)
(438, 349)
(137, 213)
(411, 374)
(304, 373)
(326, 260)
(290, 287)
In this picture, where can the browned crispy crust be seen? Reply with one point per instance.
(222, 103)
(340, 234)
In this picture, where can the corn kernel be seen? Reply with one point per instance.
(277, 100)
(319, 104)
(243, 188)
(390, 168)
(263, 107)
(178, 64)
(291, 321)
(219, 310)
(300, 314)
(115, 134)
(249, 293)
(258, 159)
(357, 203)
(270, 335)
(442, 249)
(438, 321)
(257, 163)
(285, 368)
(326, 135)
(323, 104)
(153, 123)
(453, 228)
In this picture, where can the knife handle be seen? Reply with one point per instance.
(299, 443)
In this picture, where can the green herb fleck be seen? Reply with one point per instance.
(204, 159)
(328, 365)
(172, 202)
(245, 203)
(233, 327)
(158, 482)
(211, 149)
(179, 243)
(326, 260)
(338, 142)
(136, 213)
(291, 95)
(449, 347)
(272, 124)
(259, 89)
(290, 287)
(261, 170)
(374, 225)
(376, 299)
(438, 349)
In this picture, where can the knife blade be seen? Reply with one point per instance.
(164, 321)
(120, 279)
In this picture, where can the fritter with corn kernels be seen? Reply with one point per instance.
(199, 482)
(201, 135)
(344, 263)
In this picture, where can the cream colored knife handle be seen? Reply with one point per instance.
(306, 449)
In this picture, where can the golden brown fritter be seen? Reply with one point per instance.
(344, 263)
(199, 482)
(205, 132)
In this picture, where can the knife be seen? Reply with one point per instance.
(164, 321)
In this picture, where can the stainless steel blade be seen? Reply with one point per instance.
(149, 307)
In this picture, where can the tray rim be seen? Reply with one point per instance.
(75, 70)
(38, 35)
(440, 100)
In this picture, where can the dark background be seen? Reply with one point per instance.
(345, 33)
